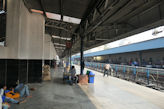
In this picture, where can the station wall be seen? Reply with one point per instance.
(26, 45)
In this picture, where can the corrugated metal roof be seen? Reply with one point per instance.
(145, 45)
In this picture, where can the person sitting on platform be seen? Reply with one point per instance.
(23, 90)
(12, 94)
(73, 75)
(7, 100)
(3, 105)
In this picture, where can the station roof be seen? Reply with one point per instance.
(62, 17)
(99, 21)
(141, 46)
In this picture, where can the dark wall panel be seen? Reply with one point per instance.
(23, 71)
(34, 71)
(47, 62)
(12, 72)
(2, 71)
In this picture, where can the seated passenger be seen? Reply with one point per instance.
(72, 71)
(12, 94)
(73, 75)
(7, 100)
(2, 104)
(23, 90)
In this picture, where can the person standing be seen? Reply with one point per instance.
(106, 69)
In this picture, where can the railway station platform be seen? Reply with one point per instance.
(105, 93)
(38, 34)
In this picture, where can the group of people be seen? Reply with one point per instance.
(74, 78)
(15, 95)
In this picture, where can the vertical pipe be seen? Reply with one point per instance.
(148, 73)
(18, 79)
(116, 69)
(124, 70)
(27, 71)
(70, 57)
(157, 77)
(5, 72)
(81, 57)
(134, 73)
(4, 5)
(140, 58)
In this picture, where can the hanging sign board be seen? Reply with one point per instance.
(68, 44)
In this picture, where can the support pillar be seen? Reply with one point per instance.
(81, 57)
(140, 58)
(70, 57)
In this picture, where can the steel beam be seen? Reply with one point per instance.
(48, 21)
(102, 20)
(86, 25)
(27, 5)
(70, 57)
(94, 15)
(43, 8)
(61, 9)
(61, 38)
(106, 4)
(4, 4)
(58, 47)
(58, 44)
(99, 11)
(81, 56)
(61, 28)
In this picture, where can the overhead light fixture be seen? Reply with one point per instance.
(53, 16)
(59, 44)
(71, 19)
(37, 11)
(58, 17)
(58, 37)
(61, 48)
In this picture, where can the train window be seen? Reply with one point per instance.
(3, 22)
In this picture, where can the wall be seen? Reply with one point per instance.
(26, 37)
(26, 47)
(12, 30)
(31, 34)
(49, 49)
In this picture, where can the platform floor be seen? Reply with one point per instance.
(56, 95)
(114, 93)
(105, 93)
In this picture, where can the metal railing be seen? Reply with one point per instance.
(151, 77)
